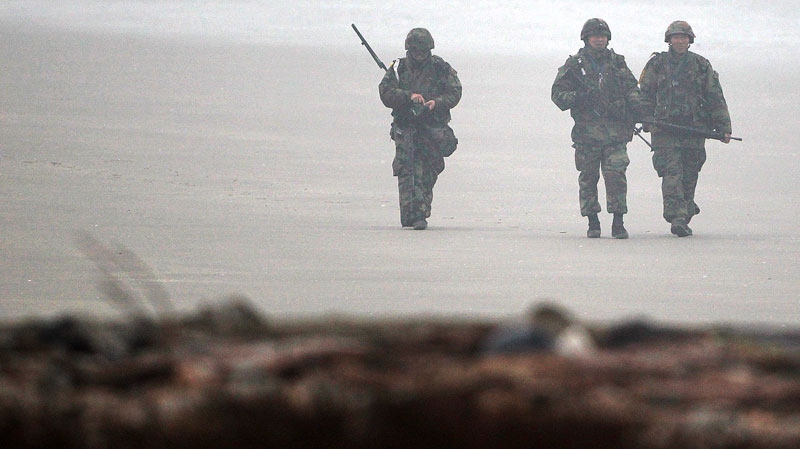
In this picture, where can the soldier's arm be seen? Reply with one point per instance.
(452, 93)
(719, 117)
(564, 91)
(391, 94)
(648, 88)
(637, 108)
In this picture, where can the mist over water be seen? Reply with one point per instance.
(524, 27)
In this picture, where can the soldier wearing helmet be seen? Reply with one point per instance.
(679, 27)
(419, 39)
(595, 27)
(420, 94)
(680, 87)
(602, 96)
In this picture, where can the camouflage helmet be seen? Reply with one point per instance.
(419, 38)
(595, 27)
(679, 27)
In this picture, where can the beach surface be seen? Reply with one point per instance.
(265, 171)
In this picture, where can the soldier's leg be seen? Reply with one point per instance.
(419, 206)
(431, 165)
(429, 180)
(615, 162)
(587, 162)
(669, 165)
(406, 189)
(403, 168)
(693, 161)
(422, 191)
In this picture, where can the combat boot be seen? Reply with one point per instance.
(680, 228)
(618, 230)
(420, 225)
(594, 227)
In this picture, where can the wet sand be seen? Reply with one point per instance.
(266, 172)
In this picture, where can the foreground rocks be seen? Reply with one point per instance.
(226, 377)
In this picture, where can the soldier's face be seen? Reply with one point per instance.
(598, 42)
(679, 43)
(418, 54)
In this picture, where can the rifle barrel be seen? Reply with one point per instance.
(369, 49)
(706, 133)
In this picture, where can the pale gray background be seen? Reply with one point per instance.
(240, 148)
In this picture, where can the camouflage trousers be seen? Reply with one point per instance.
(417, 165)
(612, 159)
(678, 167)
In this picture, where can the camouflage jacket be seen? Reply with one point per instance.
(434, 79)
(684, 91)
(601, 94)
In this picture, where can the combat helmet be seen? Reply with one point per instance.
(679, 27)
(595, 27)
(420, 39)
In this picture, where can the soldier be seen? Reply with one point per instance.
(421, 95)
(680, 87)
(601, 93)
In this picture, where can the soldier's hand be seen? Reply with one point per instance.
(417, 98)
(646, 127)
(726, 138)
(430, 104)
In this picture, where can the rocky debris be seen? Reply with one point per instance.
(226, 377)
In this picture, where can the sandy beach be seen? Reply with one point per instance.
(266, 172)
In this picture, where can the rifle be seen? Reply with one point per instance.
(417, 109)
(708, 134)
(371, 51)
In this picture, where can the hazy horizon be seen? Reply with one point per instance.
(512, 27)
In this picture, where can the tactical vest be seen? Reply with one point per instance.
(679, 94)
(430, 83)
(613, 105)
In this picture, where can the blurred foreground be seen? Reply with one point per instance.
(225, 376)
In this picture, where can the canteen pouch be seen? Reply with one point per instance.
(444, 138)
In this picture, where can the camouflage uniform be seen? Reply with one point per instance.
(682, 90)
(603, 98)
(418, 132)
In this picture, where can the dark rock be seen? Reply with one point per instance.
(233, 317)
(224, 378)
